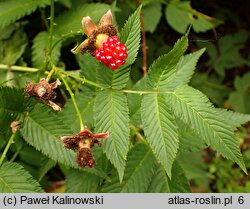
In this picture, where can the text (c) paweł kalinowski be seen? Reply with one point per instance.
(96, 200)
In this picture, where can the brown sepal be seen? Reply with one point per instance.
(105, 26)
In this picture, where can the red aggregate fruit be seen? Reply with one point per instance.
(112, 53)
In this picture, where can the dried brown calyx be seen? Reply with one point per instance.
(82, 143)
(104, 30)
(15, 125)
(43, 91)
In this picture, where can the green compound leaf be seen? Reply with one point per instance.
(164, 66)
(194, 109)
(190, 140)
(138, 172)
(139, 169)
(134, 102)
(13, 44)
(12, 10)
(42, 129)
(235, 119)
(182, 72)
(161, 183)
(12, 104)
(15, 179)
(226, 54)
(130, 36)
(78, 181)
(153, 9)
(160, 129)
(85, 101)
(111, 114)
(179, 181)
(40, 47)
(180, 15)
(45, 165)
(240, 98)
(89, 66)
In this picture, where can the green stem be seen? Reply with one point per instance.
(16, 154)
(52, 14)
(18, 68)
(7, 148)
(49, 51)
(83, 80)
(73, 100)
(50, 73)
(139, 92)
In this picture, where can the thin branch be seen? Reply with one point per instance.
(16, 154)
(73, 100)
(18, 68)
(83, 80)
(51, 72)
(7, 148)
(128, 91)
(52, 14)
(51, 28)
(140, 92)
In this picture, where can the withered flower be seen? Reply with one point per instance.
(43, 91)
(82, 143)
(15, 125)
